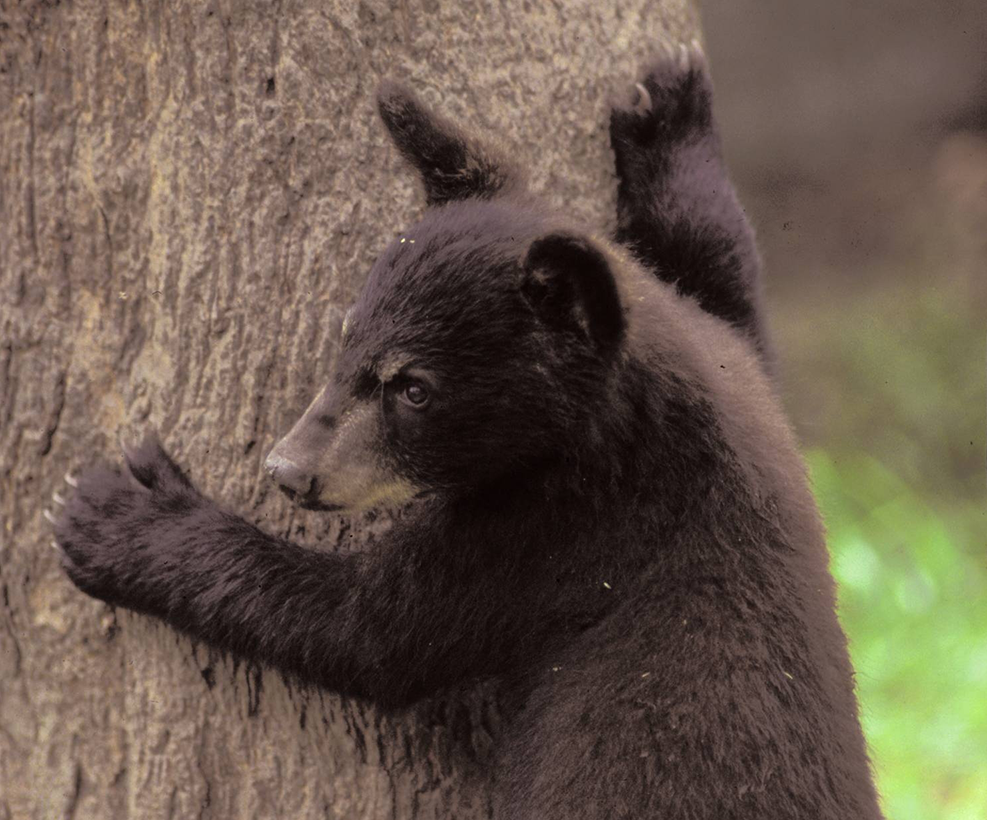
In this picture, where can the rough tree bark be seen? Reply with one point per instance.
(189, 193)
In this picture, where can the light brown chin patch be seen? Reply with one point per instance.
(387, 491)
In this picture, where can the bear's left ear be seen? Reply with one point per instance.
(568, 282)
(453, 165)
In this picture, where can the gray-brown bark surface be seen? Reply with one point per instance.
(189, 194)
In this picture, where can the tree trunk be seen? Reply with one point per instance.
(189, 195)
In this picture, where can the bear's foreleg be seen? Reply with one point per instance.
(676, 208)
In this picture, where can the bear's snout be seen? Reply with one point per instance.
(289, 476)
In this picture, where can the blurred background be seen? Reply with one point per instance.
(857, 135)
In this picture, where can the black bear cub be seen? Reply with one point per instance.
(605, 509)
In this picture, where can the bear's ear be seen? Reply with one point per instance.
(452, 164)
(568, 282)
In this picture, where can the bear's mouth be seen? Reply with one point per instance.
(309, 502)
(319, 506)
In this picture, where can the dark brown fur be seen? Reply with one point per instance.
(613, 519)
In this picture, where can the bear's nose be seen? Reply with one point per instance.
(289, 475)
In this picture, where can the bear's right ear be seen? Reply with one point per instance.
(452, 164)
(569, 284)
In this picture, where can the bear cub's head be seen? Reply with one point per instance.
(480, 347)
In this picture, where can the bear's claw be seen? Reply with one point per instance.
(642, 105)
(670, 102)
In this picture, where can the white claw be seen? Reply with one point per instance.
(683, 56)
(71, 481)
(57, 547)
(57, 498)
(643, 104)
(51, 519)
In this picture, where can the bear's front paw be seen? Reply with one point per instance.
(116, 523)
(672, 101)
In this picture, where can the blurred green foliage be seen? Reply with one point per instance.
(912, 600)
(890, 401)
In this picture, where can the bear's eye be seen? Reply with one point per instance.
(415, 394)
